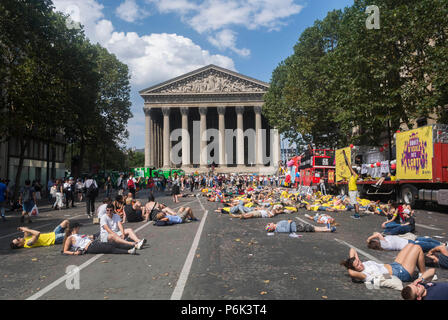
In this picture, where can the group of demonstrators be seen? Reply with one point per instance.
(244, 198)
(415, 253)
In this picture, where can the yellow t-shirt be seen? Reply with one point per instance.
(352, 183)
(44, 240)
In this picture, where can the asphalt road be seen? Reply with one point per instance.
(216, 258)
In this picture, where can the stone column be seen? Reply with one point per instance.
(222, 138)
(239, 137)
(275, 148)
(148, 130)
(258, 137)
(155, 142)
(203, 142)
(166, 137)
(185, 138)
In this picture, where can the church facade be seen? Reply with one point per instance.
(210, 116)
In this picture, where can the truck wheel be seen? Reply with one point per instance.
(409, 194)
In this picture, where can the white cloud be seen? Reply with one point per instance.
(212, 15)
(226, 39)
(130, 11)
(151, 58)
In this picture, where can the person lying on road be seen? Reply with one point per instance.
(76, 244)
(34, 238)
(403, 267)
(395, 243)
(289, 226)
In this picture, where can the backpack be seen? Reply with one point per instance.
(92, 191)
(131, 184)
(26, 196)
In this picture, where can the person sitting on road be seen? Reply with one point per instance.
(289, 226)
(75, 244)
(394, 228)
(111, 230)
(438, 256)
(119, 208)
(403, 266)
(418, 290)
(395, 243)
(165, 218)
(34, 238)
(134, 211)
(102, 208)
(260, 212)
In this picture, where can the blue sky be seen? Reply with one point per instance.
(162, 39)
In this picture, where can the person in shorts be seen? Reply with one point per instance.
(353, 188)
(260, 212)
(289, 226)
(27, 200)
(165, 218)
(34, 238)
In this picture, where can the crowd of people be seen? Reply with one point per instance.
(245, 197)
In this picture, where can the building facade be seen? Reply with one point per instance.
(40, 157)
(209, 117)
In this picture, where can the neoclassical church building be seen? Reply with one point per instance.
(210, 116)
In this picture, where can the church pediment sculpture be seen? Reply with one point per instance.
(211, 81)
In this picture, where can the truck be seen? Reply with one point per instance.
(316, 164)
(416, 172)
(153, 172)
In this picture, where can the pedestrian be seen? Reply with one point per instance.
(27, 200)
(108, 186)
(79, 187)
(69, 192)
(91, 190)
(38, 189)
(3, 198)
(353, 188)
(49, 185)
(58, 192)
(176, 188)
(132, 184)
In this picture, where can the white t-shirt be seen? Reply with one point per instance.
(101, 210)
(373, 269)
(393, 243)
(112, 223)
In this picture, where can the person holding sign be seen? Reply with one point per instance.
(352, 188)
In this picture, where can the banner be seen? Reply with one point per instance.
(414, 154)
(342, 171)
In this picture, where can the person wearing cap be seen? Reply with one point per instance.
(34, 238)
(289, 226)
(75, 244)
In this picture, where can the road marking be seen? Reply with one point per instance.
(41, 226)
(307, 222)
(427, 227)
(181, 282)
(359, 251)
(81, 267)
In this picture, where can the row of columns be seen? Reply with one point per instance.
(152, 141)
